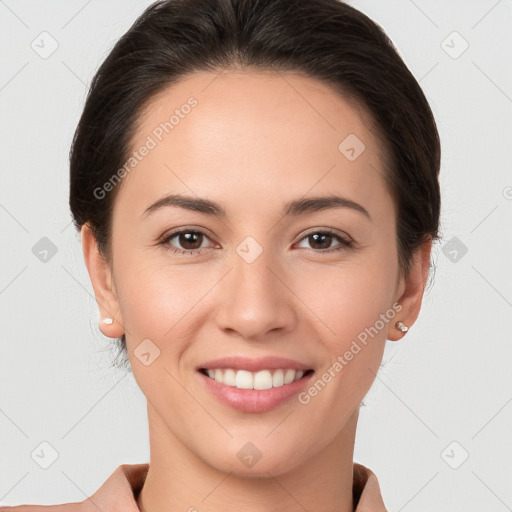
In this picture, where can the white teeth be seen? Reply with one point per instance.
(229, 377)
(289, 376)
(244, 379)
(278, 378)
(264, 379)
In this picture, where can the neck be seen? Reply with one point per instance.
(180, 480)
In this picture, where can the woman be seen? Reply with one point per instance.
(256, 185)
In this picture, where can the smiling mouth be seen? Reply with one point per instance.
(261, 380)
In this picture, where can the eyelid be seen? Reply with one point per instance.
(185, 229)
(331, 231)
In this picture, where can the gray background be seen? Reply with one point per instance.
(442, 394)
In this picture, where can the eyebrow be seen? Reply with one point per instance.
(292, 208)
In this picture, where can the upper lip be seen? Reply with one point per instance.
(253, 364)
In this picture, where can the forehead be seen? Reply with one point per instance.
(254, 134)
(260, 102)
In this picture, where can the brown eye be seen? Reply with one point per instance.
(188, 241)
(319, 241)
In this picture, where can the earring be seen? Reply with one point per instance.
(401, 327)
(108, 321)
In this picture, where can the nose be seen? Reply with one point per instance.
(255, 299)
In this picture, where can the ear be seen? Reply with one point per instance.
(101, 279)
(411, 290)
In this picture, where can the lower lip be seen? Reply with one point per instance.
(255, 400)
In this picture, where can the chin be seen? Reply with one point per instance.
(256, 460)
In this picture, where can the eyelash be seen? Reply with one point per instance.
(344, 243)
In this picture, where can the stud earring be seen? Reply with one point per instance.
(108, 321)
(401, 327)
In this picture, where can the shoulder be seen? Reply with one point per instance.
(116, 493)
(65, 507)
(366, 490)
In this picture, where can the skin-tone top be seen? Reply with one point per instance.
(120, 490)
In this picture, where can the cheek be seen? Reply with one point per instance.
(351, 303)
(348, 297)
(157, 304)
(166, 304)
(154, 297)
(159, 299)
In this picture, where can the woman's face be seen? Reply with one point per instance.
(257, 281)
